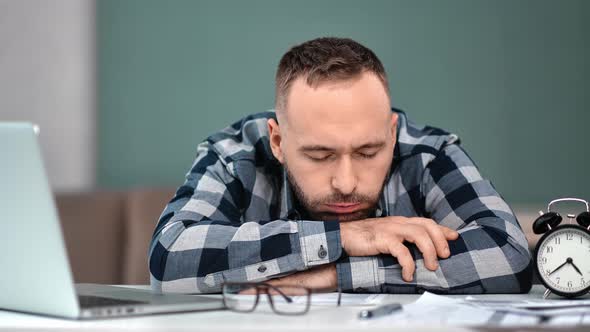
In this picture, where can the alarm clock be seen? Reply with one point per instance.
(562, 254)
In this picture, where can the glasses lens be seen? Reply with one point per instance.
(289, 300)
(240, 297)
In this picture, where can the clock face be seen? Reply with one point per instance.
(563, 262)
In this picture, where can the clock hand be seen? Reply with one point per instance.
(559, 267)
(575, 267)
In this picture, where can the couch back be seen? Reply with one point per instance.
(108, 233)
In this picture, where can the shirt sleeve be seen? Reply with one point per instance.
(490, 256)
(201, 239)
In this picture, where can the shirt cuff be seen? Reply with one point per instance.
(360, 274)
(320, 242)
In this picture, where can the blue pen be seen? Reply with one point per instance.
(380, 311)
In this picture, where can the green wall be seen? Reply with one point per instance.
(512, 78)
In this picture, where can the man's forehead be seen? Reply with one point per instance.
(339, 135)
(341, 113)
(323, 147)
(340, 131)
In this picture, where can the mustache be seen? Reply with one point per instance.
(342, 198)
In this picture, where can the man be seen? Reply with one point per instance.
(337, 189)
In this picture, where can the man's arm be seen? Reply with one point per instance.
(489, 256)
(202, 240)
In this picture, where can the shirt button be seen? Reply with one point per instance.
(261, 268)
(322, 252)
(360, 290)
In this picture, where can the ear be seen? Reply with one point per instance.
(274, 133)
(394, 118)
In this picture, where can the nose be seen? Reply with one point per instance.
(344, 179)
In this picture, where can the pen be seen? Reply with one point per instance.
(381, 310)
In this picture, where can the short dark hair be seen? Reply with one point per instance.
(325, 59)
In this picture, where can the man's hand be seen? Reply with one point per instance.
(321, 278)
(386, 236)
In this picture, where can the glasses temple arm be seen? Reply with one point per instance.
(285, 296)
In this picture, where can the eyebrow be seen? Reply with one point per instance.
(323, 148)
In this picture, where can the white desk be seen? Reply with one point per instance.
(319, 318)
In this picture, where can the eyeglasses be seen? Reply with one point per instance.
(284, 300)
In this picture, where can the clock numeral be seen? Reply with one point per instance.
(569, 236)
(544, 260)
(557, 240)
(581, 239)
(549, 249)
(569, 284)
(582, 281)
(558, 278)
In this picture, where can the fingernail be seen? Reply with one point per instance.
(447, 251)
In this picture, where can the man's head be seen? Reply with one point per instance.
(336, 133)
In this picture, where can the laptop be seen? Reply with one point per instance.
(35, 274)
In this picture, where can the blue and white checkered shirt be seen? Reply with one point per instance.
(235, 219)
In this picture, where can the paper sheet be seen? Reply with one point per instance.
(564, 320)
(532, 304)
(534, 307)
(431, 309)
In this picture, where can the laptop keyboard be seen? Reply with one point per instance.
(97, 301)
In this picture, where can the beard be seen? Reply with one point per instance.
(312, 206)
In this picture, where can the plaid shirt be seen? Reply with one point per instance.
(235, 219)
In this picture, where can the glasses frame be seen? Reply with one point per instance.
(263, 287)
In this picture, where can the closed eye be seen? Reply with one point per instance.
(366, 155)
(319, 157)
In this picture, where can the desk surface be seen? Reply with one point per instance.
(319, 318)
